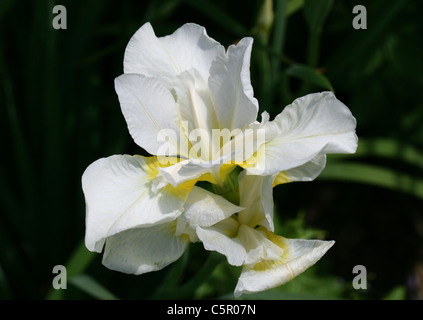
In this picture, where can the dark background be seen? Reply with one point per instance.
(59, 113)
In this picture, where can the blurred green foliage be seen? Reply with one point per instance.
(59, 112)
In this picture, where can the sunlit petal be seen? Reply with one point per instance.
(144, 101)
(196, 113)
(189, 47)
(306, 172)
(256, 196)
(119, 195)
(221, 237)
(141, 250)
(230, 87)
(298, 256)
(191, 169)
(312, 125)
(204, 208)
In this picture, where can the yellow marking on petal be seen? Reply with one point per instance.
(185, 145)
(281, 178)
(181, 191)
(185, 238)
(226, 169)
(164, 162)
(150, 168)
(249, 163)
(173, 226)
(270, 264)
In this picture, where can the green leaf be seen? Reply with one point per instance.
(293, 6)
(5, 7)
(173, 277)
(189, 288)
(316, 12)
(5, 292)
(279, 28)
(80, 260)
(374, 175)
(309, 74)
(397, 293)
(92, 287)
(387, 148)
(215, 12)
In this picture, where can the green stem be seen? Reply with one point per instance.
(228, 187)
(213, 260)
(278, 39)
(312, 57)
(188, 289)
(227, 191)
(313, 48)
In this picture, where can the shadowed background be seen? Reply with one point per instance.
(59, 112)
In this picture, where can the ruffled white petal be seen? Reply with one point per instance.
(163, 58)
(256, 196)
(142, 250)
(192, 48)
(144, 102)
(230, 87)
(312, 125)
(190, 169)
(119, 196)
(306, 172)
(146, 55)
(196, 112)
(298, 256)
(240, 243)
(221, 237)
(257, 245)
(204, 208)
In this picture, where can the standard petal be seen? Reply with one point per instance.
(142, 250)
(306, 172)
(119, 196)
(312, 125)
(192, 48)
(144, 101)
(146, 55)
(230, 87)
(196, 113)
(298, 256)
(256, 196)
(164, 58)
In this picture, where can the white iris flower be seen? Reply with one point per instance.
(190, 104)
